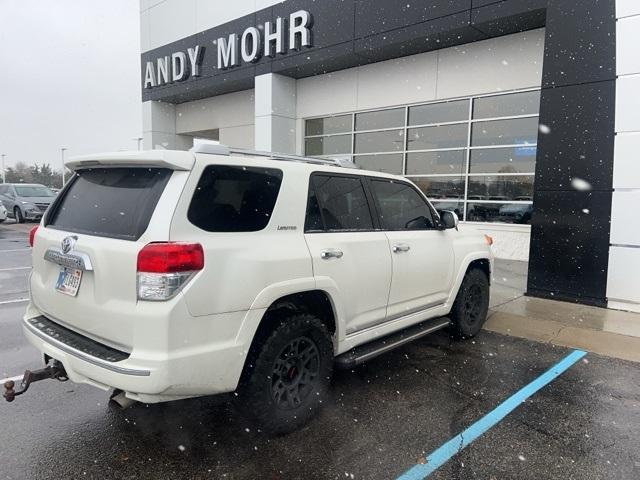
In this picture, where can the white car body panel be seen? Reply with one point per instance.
(196, 343)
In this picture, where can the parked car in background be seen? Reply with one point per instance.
(26, 201)
(3, 212)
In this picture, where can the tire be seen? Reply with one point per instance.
(469, 311)
(17, 214)
(281, 389)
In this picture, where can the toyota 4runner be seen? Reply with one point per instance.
(171, 274)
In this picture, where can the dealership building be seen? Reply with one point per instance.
(522, 116)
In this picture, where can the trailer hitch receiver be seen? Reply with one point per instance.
(54, 369)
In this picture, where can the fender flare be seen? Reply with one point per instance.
(462, 271)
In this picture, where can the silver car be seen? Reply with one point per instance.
(25, 201)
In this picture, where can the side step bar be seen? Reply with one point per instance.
(367, 351)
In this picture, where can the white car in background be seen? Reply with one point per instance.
(3, 213)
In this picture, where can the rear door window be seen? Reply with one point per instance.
(234, 199)
(400, 206)
(110, 202)
(342, 202)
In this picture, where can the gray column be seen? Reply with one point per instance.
(275, 113)
(159, 127)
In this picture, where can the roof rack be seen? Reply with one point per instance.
(219, 149)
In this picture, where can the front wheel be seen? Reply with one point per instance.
(470, 308)
(17, 213)
(287, 376)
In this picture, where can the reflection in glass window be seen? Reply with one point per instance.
(333, 145)
(503, 160)
(439, 112)
(380, 119)
(512, 187)
(505, 132)
(386, 141)
(445, 136)
(401, 207)
(452, 206)
(523, 103)
(446, 162)
(499, 212)
(343, 203)
(391, 163)
(328, 125)
(441, 187)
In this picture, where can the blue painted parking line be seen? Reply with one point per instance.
(439, 457)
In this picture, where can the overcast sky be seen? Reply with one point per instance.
(69, 78)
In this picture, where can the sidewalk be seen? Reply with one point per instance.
(608, 332)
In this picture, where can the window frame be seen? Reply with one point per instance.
(467, 149)
(435, 218)
(312, 184)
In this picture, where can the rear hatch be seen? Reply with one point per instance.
(111, 208)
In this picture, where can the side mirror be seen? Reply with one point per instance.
(448, 219)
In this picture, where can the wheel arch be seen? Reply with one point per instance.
(480, 260)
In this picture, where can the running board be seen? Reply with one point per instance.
(367, 351)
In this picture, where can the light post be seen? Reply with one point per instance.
(4, 175)
(139, 140)
(62, 155)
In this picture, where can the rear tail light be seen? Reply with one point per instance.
(165, 267)
(32, 235)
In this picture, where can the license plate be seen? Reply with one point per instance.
(69, 281)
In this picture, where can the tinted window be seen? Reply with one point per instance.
(313, 220)
(234, 199)
(110, 202)
(401, 206)
(343, 203)
(328, 145)
(323, 126)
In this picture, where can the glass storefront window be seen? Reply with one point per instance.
(475, 156)
(499, 212)
(517, 131)
(430, 163)
(440, 187)
(328, 125)
(511, 187)
(503, 160)
(444, 136)
(439, 112)
(390, 163)
(514, 104)
(385, 141)
(380, 119)
(333, 145)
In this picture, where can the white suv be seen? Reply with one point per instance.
(173, 274)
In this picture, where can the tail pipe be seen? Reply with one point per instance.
(54, 369)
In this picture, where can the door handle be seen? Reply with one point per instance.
(330, 253)
(401, 247)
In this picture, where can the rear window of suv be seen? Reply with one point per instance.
(110, 202)
(234, 199)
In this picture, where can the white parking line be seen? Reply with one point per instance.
(15, 300)
(14, 268)
(16, 250)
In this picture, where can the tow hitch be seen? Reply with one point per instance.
(54, 369)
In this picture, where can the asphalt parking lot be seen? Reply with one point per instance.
(381, 419)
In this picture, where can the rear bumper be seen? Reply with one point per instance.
(148, 376)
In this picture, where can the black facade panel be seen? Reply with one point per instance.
(421, 37)
(580, 122)
(509, 16)
(568, 258)
(570, 246)
(580, 42)
(377, 16)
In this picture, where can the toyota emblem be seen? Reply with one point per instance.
(68, 243)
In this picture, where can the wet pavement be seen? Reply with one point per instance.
(380, 419)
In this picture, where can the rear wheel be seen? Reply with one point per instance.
(469, 311)
(17, 213)
(287, 375)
